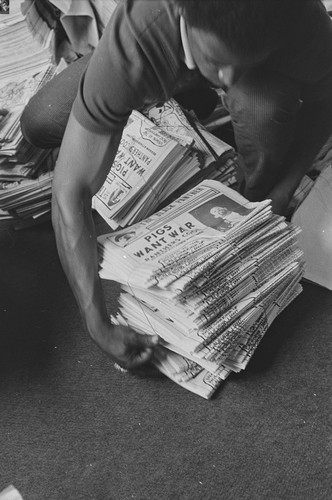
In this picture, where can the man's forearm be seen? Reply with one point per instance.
(76, 242)
(83, 163)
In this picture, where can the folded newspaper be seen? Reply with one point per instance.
(159, 152)
(208, 273)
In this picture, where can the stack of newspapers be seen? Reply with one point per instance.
(20, 53)
(24, 169)
(208, 273)
(160, 152)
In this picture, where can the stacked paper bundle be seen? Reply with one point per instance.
(29, 200)
(20, 53)
(218, 159)
(14, 95)
(188, 131)
(208, 273)
(158, 154)
(148, 166)
(41, 22)
(24, 68)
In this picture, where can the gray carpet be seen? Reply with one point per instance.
(72, 427)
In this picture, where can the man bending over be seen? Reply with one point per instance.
(272, 57)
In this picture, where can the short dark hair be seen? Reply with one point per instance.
(246, 26)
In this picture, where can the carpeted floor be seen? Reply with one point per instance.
(73, 428)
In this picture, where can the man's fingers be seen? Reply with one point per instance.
(141, 349)
(141, 357)
(135, 359)
(131, 349)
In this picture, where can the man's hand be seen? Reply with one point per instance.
(74, 184)
(125, 346)
(280, 200)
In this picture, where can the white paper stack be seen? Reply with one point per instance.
(148, 166)
(24, 67)
(14, 96)
(26, 200)
(158, 155)
(217, 158)
(183, 127)
(208, 273)
(20, 53)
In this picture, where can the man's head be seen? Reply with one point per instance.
(225, 34)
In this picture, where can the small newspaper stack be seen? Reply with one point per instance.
(208, 273)
(20, 53)
(24, 169)
(14, 96)
(148, 166)
(160, 152)
(29, 200)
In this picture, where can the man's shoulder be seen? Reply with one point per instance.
(146, 15)
(136, 63)
(147, 33)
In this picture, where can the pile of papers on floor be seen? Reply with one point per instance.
(20, 53)
(159, 153)
(24, 67)
(208, 273)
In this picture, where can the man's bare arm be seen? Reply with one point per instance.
(83, 163)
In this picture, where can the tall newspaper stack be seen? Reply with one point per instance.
(25, 181)
(208, 273)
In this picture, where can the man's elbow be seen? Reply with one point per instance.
(69, 203)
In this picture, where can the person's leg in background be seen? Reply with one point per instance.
(45, 117)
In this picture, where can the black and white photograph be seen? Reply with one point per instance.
(165, 249)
